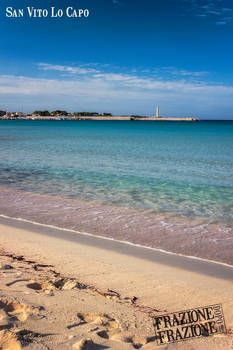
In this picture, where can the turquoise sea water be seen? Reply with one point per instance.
(163, 167)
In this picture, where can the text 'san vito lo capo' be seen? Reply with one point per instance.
(52, 12)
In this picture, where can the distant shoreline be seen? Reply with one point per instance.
(125, 118)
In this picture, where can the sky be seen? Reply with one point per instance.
(126, 57)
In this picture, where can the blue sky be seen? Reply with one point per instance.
(126, 57)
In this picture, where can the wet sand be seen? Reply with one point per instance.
(62, 290)
(198, 237)
(210, 268)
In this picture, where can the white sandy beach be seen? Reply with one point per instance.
(95, 297)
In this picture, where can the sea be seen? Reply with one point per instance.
(163, 185)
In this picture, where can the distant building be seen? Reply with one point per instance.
(17, 115)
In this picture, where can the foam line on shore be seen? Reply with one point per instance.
(115, 240)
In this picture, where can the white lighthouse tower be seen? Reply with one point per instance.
(157, 112)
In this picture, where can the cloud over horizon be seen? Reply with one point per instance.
(87, 88)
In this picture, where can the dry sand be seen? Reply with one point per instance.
(63, 292)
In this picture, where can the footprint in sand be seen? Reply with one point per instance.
(98, 319)
(113, 330)
(60, 284)
(88, 344)
(15, 309)
(116, 335)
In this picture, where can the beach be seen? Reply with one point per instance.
(83, 292)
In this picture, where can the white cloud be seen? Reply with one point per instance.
(119, 93)
(88, 70)
(67, 69)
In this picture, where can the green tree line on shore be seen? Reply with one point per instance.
(65, 113)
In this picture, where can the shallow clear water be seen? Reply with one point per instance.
(164, 167)
(158, 184)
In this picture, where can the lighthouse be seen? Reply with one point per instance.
(157, 112)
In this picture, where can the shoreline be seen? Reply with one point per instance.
(195, 237)
(101, 118)
(191, 263)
